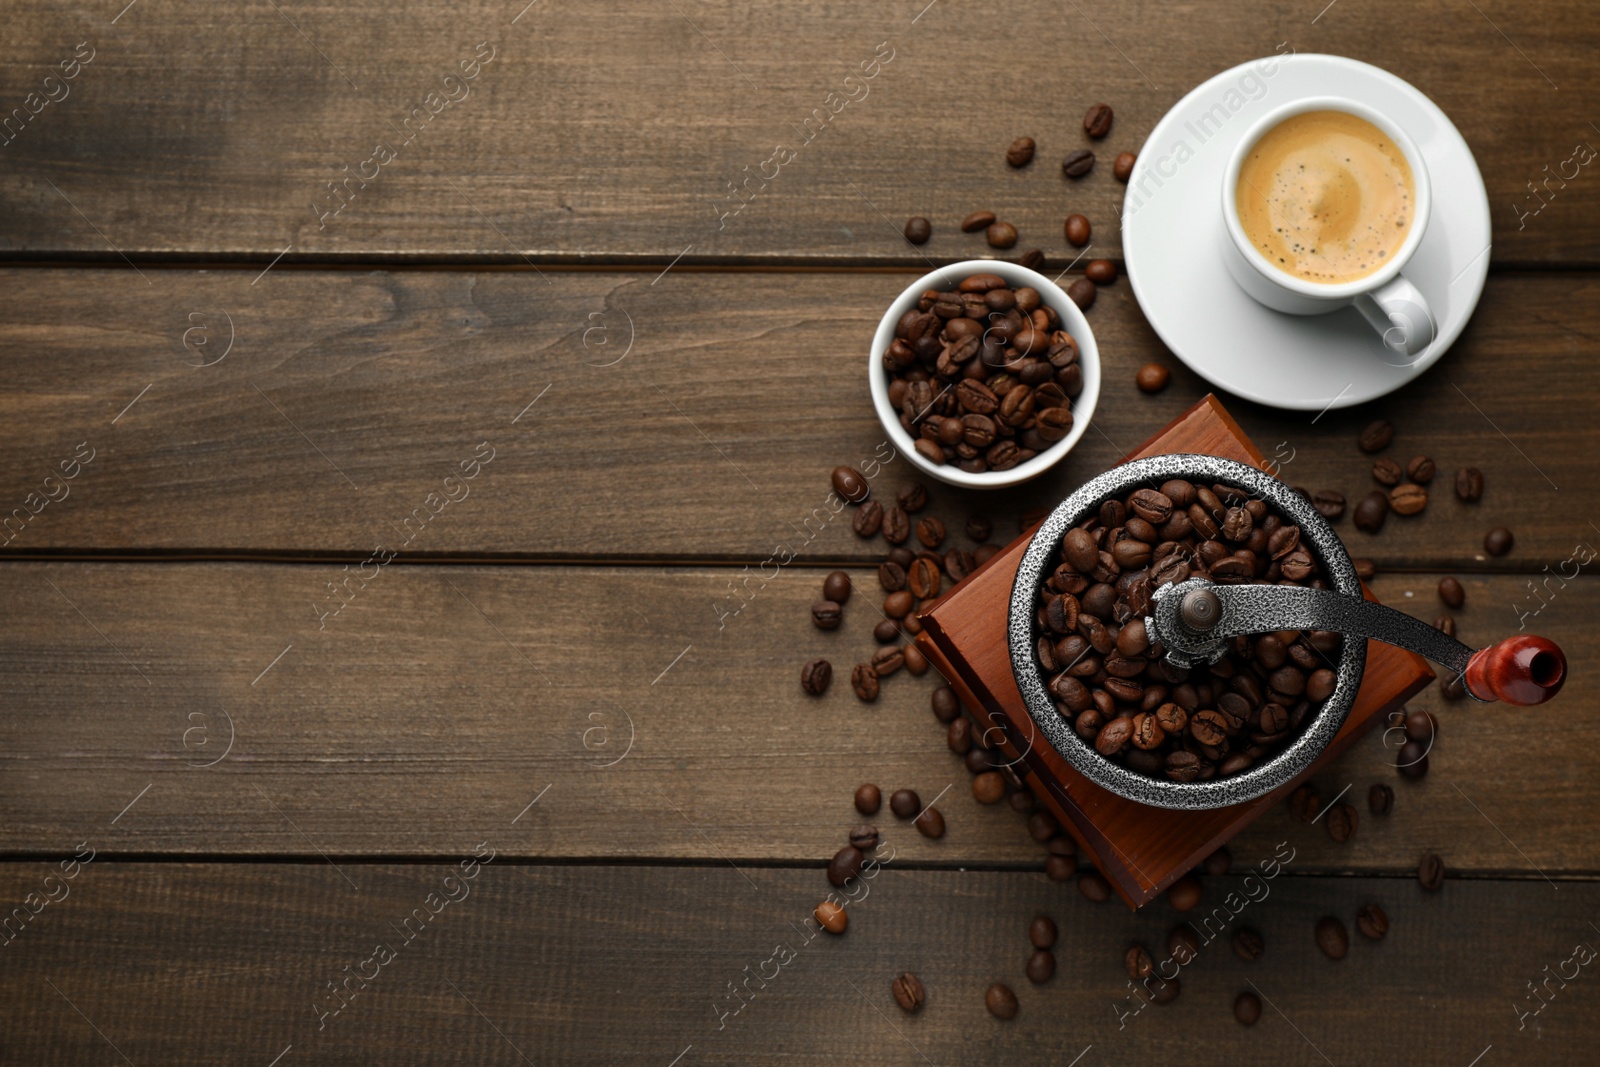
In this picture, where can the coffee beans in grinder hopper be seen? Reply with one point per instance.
(984, 376)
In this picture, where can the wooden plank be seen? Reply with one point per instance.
(615, 133)
(443, 699)
(608, 965)
(712, 437)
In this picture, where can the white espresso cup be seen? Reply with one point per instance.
(1393, 305)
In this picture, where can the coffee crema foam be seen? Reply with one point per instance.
(1326, 197)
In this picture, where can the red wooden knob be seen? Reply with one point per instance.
(1519, 670)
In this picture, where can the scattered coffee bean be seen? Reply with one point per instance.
(1380, 799)
(989, 787)
(916, 662)
(1469, 484)
(887, 660)
(1498, 541)
(1218, 863)
(826, 615)
(1366, 569)
(1082, 293)
(1042, 932)
(1341, 822)
(864, 680)
(850, 484)
(1164, 990)
(1033, 259)
(886, 631)
(1376, 437)
(1248, 944)
(1247, 1008)
(1185, 893)
(958, 737)
(1122, 168)
(1373, 922)
(899, 605)
(1412, 760)
(816, 676)
(1001, 1001)
(1408, 498)
(845, 865)
(891, 576)
(868, 519)
(909, 993)
(930, 823)
(1183, 945)
(978, 220)
(1329, 503)
(1041, 967)
(1078, 163)
(1421, 726)
(1152, 378)
(868, 799)
(864, 837)
(1305, 802)
(836, 587)
(1430, 872)
(1451, 592)
(896, 525)
(1332, 937)
(1000, 235)
(1421, 469)
(979, 528)
(918, 230)
(945, 705)
(1020, 154)
(1094, 887)
(1387, 472)
(1100, 271)
(1371, 512)
(930, 532)
(1445, 624)
(905, 803)
(1022, 802)
(831, 917)
(1137, 963)
(1097, 120)
(1042, 826)
(1076, 230)
(1059, 868)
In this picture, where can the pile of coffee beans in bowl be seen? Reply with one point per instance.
(1118, 690)
(983, 376)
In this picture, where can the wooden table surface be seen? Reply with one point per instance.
(218, 796)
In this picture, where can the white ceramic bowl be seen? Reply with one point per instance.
(1072, 320)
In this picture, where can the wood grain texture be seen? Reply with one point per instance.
(214, 963)
(444, 700)
(614, 132)
(711, 439)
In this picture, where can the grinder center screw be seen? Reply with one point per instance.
(1200, 610)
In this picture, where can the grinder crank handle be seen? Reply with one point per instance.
(1195, 617)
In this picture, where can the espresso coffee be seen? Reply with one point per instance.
(1326, 197)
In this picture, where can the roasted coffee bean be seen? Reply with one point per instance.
(891, 576)
(918, 230)
(850, 484)
(1498, 541)
(924, 580)
(1094, 887)
(887, 660)
(864, 681)
(959, 736)
(1138, 963)
(864, 837)
(896, 526)
(899, 605)
(1082, 292)
(1076, 230)
(1059, 868)
(945, 705)
(1366, 569)
(1020, 154)
(1041, 967)
(1247, 1008)
(908, 993)
(1376, 437)
(1100, 271)
(1430, 872)
(989, 787)
(1469, 484)
(1248, 944)
(868, 799)
(930, 823)
(1421, 726)
(1451, 592)
(1152, 378)
(831, 917)
(1042, 932)
(1022, 802)
(1079, 550)
(1408, 498)
(826, 615)
(1341, 822)
(929, 451)
(1183, 945)
(1077, 163)
(978, 220)
(1371, 512)
(905, 803)
(1001, 1001)
(845, 865)
(1380, 799)
(913, 497)
(1122, 168)
(1097, 120)
(886, 631)
(836, 587)
(1373, 922)
(930, 532)
(868, 519)
(1033, 259)
(1305, 802)
(1329, 503)
(1164, 990)
(1113, 736)
(1412, 759)
(916, 662)
(1042, 826)
(979, 528)
(815, 676)
(1332, 937)
(1387, 472)
(1185, 893)
(1000, 235)
(1421, 469)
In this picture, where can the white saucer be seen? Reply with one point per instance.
(1172, 233)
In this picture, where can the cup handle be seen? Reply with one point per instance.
(1399, 312)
